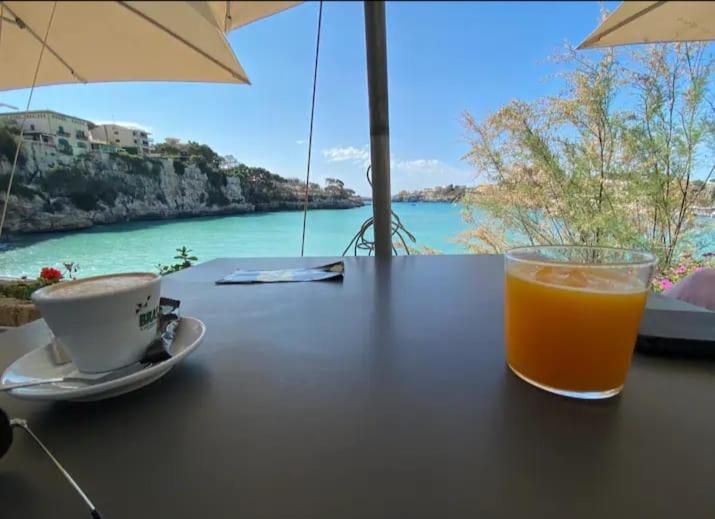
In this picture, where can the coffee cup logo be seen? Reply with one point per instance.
(147, 318)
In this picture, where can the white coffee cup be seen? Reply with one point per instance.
(104, 322)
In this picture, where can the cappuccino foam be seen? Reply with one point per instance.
(98, 286)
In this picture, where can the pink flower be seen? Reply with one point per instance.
(681, 269)
(665, 284)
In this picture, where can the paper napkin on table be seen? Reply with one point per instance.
(320, 273)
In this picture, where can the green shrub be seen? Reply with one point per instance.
(186, 259)
(22, 290)
(146, 167)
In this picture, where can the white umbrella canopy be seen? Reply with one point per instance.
(122, 41)
(231, 15)
(654, 22)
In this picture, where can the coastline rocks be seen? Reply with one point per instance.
(450, 193)
(297, 205)
(59, 193)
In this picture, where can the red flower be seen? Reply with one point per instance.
(50, 274)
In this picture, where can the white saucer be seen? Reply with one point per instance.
(39, 364)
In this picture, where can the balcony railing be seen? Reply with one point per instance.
(81, 136)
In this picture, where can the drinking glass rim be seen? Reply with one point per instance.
(649, 259)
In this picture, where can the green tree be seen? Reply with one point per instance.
(9, 135)
(609, 161)
(203, 153)
(167, 150)
(229, 162)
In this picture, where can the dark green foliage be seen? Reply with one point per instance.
(260, 186)
(168, 150)
(18, 189)
(86, 201)
(201, 164)
(200, 154)
(216, 179)
(147, 167)
(63, 180)
(64, 147)
(84, 191)
(203, 153)
(132, 150)
(104, 190)
(179, 167)
(216, 198)
(155, 168)
(257, 184)
(8, 144)
(161, 198)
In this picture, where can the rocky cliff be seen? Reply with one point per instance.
(448, 193)
(52, 192)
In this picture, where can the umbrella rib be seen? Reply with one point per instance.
(182, 40)
(227, 19)
(22, 25)
(622, 23)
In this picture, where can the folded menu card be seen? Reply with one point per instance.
(320, 273)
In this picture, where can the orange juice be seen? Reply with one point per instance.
(571, 328)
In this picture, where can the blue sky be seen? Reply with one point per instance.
(443, 57)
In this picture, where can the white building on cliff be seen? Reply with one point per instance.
(70, 135)
(122, 136)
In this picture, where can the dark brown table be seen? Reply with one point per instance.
(385, 395)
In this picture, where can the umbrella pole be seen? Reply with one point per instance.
(376, 46)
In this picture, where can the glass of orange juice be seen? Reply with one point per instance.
(572, 316)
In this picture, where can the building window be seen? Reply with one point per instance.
(116, 132)
(116, 140)
(32, 127)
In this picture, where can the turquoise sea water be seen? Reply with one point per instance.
(139, 246)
